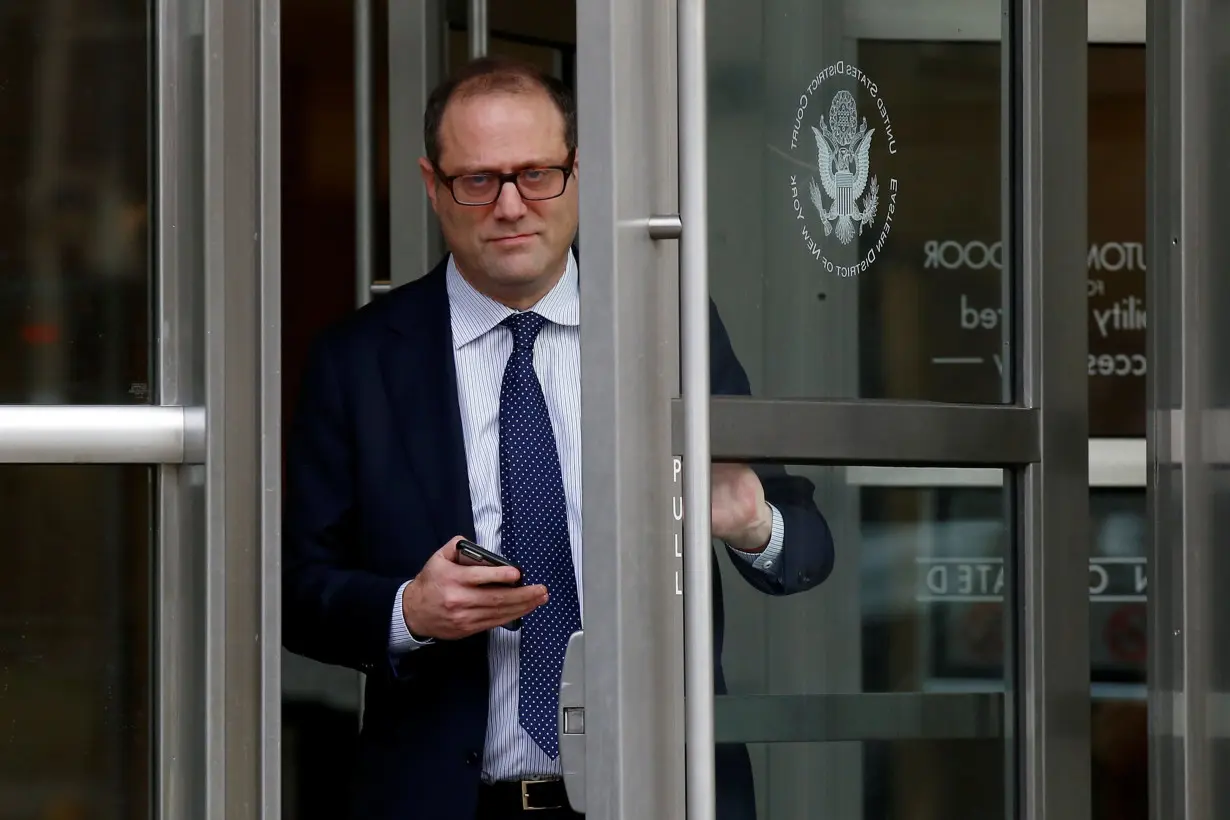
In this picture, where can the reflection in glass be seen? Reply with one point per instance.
(75, 637)
(74, 179)
(907, 303)
(925, 320)
(912, 619)
(1118, 592)
(910, 626)
(932, 324)
(1119, 575)
(1116, 261)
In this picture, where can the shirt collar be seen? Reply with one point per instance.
(475, 314)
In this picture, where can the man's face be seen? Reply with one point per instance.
(513, 249)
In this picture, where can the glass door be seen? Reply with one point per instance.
(139, 433)
(82, 438)
(813, 248)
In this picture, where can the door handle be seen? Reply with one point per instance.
(572, 721)
(698, 672)
(665, 226)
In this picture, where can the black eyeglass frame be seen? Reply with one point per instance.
(512, 177)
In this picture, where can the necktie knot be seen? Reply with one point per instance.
(525, 327)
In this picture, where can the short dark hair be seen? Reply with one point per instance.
(496, 74)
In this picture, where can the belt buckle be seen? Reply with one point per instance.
(525, 795)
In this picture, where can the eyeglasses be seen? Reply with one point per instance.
(534, 184)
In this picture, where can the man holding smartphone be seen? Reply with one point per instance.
(449, 410)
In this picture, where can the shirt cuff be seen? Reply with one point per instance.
(766, 560)
(400, 639)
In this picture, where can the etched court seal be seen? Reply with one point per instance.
(844, 191)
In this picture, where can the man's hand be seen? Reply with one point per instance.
(741, 516)
(449, 601)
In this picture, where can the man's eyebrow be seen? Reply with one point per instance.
(533, 163)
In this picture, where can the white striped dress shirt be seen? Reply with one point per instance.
(481, 349)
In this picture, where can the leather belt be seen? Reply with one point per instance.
(524, 795)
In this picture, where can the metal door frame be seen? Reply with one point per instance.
(630, 70)
(1189, 421)
(218, 189)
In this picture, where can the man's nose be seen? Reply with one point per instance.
(509, 204)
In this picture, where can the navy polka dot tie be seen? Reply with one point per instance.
(534, 532)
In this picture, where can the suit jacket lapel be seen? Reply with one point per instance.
(421, 379)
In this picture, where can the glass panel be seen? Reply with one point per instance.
(848, 273)
(542, 33)
(1117, 369)
(914, 611)
(1118, 588)
(75, 637)
(1118, 583)
(877, 694)
(74, 222)
(1116, 241)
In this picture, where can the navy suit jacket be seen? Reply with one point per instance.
(376, 482)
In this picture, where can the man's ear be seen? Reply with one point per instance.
(428, 172)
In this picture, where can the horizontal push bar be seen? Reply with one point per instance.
(110, 434)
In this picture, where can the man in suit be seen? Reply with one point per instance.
(450, 408)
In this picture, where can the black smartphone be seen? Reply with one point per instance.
(476, 553)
